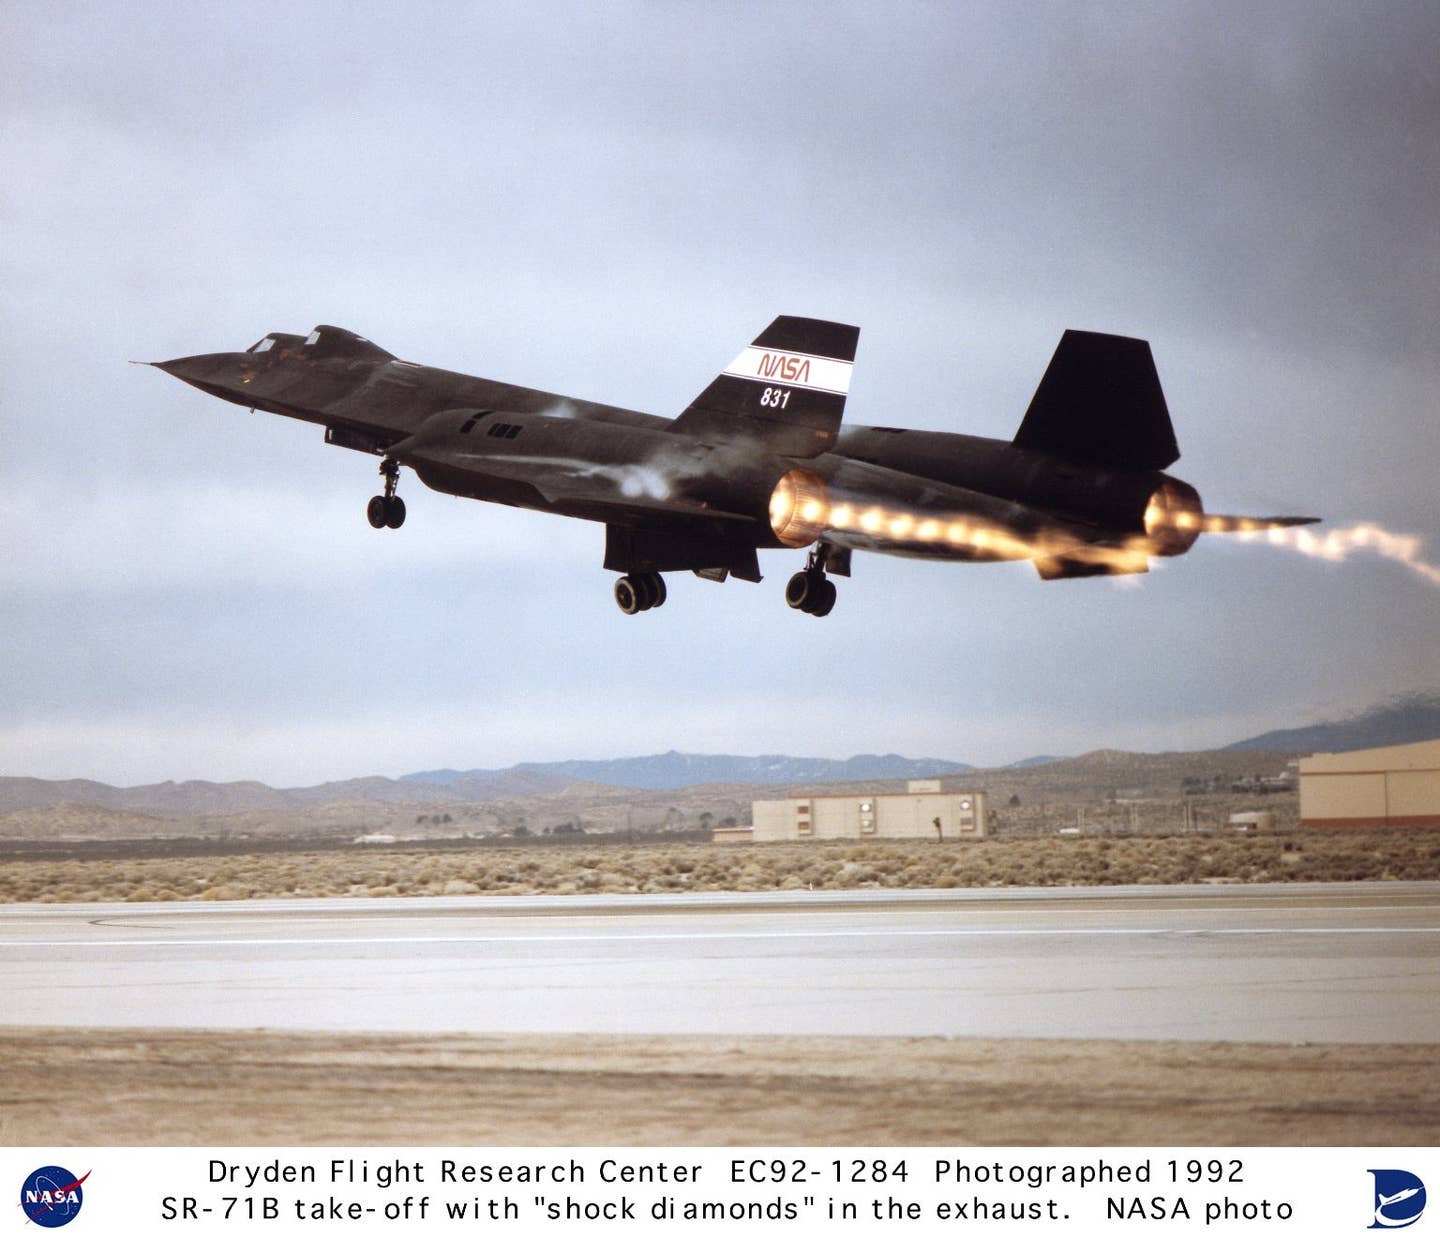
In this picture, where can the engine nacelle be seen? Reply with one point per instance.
(1174, 518)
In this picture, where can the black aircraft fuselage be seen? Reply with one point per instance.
(760, 460)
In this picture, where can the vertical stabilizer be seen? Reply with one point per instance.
(786, 391)
(1100, 401)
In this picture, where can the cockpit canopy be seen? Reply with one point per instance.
(338, 342)
(277, 339)
(324, 342)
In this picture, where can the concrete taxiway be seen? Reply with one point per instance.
(1351, 963)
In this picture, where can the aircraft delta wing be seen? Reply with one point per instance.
(759, 460)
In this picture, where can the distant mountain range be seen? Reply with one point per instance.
(1407, 719)
(201, 799)
(668, 771)
(671, 770)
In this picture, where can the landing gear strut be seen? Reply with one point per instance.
(640, 591)
(811, 590)
(387, 510)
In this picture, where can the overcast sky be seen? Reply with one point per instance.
(609, 201)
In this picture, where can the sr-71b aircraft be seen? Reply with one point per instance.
(759, 460)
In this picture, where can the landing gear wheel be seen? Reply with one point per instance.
(801, 590)
(811, 592)
(640, 591)
(628, 595)
(387, 510)
(652, 586)
(798, 589)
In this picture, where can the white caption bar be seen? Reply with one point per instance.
(225, 1192)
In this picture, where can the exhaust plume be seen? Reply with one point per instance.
(1337, 545)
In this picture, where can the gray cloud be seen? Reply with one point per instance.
(607, 203)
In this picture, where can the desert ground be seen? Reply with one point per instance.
(257, 1088)
(161, 1086)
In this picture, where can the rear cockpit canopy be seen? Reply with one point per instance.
(326, 342)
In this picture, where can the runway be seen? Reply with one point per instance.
(1349, 963)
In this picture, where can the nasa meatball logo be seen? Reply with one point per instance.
(1399, 1198)
(51, 1196)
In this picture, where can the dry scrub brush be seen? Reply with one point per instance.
(646, 868)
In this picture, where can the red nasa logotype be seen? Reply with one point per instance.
(782, 366)
(51, 1196)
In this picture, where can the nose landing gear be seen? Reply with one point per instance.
(640, 591)
(387, 511)
(811, 590)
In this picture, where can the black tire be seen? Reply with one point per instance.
(627, 596)
(394, 511)
(375, 512)
(824, 601)
(652, 589)
(799, 589)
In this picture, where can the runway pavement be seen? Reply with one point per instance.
(1353, 963)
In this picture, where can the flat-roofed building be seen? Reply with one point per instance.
(1372, 787)
(923, 811)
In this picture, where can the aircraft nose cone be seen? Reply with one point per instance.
(192, 369)
(218, 373)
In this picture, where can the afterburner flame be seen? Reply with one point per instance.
(967, 533)
(798, 506)
(801, 510)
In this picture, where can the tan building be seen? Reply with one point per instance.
(924, 811)
(1376, 786)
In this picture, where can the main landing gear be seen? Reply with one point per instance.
(811, 590)
(387, 511)
(640, 591)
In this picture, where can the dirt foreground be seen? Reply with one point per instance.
(271, 1088)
